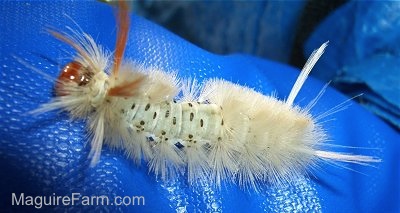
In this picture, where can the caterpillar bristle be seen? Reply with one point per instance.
(312, 60)
(346, 158)
(123, 22)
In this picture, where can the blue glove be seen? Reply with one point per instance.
(46, 155)
(365, 54)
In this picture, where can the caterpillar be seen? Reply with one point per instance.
(211, 131)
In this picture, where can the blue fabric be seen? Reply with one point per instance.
(263, 28)
(364, 36)
(46, 154)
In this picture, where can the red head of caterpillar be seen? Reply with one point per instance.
(215, 131)
(74, 72)
(84, 81)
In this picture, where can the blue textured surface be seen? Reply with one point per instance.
(46, 154)
(364, 36)
(262, 28)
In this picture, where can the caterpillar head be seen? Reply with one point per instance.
(73, 73)
(83, 82)
(80, 81)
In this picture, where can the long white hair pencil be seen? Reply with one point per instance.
(215, 131)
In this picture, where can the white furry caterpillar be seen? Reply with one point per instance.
(213, 131)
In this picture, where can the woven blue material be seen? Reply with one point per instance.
(46, 155)
(365, 54)
(262, 28)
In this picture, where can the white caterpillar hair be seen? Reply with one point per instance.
(218, 130)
